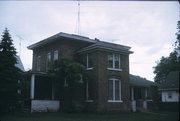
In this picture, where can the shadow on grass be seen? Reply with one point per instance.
(149, 116)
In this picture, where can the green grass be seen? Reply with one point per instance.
(158, 116)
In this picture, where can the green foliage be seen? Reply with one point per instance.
(66, 71)
(9, 74)
(166, 65)
(177, 42)
(68, 78)
(25, 89)
(169, 106)
(170, 63)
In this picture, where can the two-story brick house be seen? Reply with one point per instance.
(108, 62)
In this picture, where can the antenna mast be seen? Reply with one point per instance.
(77, 29)
(79, 17)
(20, 40)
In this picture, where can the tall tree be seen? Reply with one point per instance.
(68, 78)
(177, 42)
(9, 74)
(166, 65)
(170, 63)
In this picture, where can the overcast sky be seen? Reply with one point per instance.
(148, 27)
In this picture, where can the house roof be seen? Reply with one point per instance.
(140, 82)
(171, 82)
(95, 43)
(107, 45)
(19, 64)
(58, 36)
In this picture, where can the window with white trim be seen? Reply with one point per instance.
(89, 64)
(38, 66)
(56, 55)
(114, 90)
(88, 92)
(48, 60)
(114, 61)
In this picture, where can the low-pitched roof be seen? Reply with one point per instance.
(107, 45)
(140, 82)
(95, 43)
(171, 82)
(19, 64)
(61, 35)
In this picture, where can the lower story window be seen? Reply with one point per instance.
(114, 89)
(88, 92)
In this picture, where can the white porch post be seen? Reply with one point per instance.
(145, 104)
(133, 102)
(32, 86)
(145, 101)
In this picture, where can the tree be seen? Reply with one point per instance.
(9, 74)
(166, 65)
(177, 42)
(68, 78)
(170, 63)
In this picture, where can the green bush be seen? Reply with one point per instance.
(169, 106)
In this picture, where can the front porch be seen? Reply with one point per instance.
(140, 98)
(42, 94)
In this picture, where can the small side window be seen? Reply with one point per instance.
(56, 55)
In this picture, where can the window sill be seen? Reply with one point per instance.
(115, 101)
(89, 101)
(89, 68)
(114, 69)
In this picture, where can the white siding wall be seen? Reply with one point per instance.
(44, 106)
(174, 98)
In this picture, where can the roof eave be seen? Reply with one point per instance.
(60, 35)
(106, 48)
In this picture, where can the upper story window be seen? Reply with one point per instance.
(48, 61)
(89, 61)
(56, 55)
(114, 90)
(114, 61)
(38, 66)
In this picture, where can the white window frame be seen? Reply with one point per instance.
(38, 63)
(113, 68)
(87, 62)
(48, 59)
(56, 56)
(114, 100)
(87, 93)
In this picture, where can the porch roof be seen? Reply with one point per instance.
(140, 82)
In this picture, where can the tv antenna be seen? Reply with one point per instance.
(20, 40)
(78, 31)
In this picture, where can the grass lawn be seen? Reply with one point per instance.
(158, 116)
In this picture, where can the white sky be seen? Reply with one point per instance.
(148, 27)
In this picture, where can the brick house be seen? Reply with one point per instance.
(108, 62)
